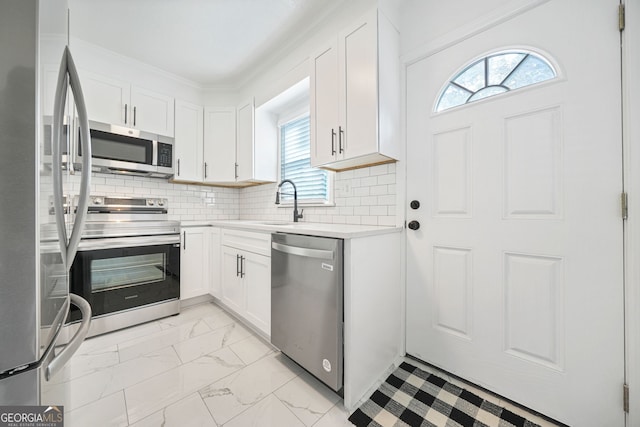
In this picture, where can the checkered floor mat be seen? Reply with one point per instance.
(412, 397)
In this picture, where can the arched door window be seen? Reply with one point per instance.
(495, 74)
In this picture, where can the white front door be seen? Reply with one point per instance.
(515, 276)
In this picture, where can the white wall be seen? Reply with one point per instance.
(423, 21)
(98, 60)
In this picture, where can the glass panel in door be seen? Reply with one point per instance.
(113, 273)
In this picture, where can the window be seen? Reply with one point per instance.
(493, 75)
(295, 163)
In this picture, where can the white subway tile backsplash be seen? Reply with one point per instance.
(379, 210)
(361, 211)
(378, 170)
(389, 200)
(363, 172)
(355, 219)
(362, 196)
(362, 191)
(370, 201)
(387, 179)
(377, 190)
(369, 220)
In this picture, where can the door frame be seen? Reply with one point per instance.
(630, 51)
(631, 169)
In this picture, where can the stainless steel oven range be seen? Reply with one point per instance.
(128, 263)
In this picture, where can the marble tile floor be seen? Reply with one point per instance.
(200, 368)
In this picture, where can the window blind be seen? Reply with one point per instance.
(295, 162)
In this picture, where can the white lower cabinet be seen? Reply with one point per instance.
(257, 286)
(194, 262)
(215, 273)
(246, 276)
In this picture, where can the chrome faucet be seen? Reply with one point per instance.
(296, 215)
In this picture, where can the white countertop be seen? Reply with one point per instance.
(341, 231)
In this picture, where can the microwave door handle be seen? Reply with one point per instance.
(61, 359)
(56, 151)
(85, 139)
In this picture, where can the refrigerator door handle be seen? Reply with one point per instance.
(85, 139)
(68, 76)
(56, 151)
(61, 359)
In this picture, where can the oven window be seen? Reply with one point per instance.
(111, 273)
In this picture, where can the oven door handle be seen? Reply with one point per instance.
(127, 242)
(61, 359)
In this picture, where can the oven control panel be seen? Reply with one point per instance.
(127, 205)
(120, 202)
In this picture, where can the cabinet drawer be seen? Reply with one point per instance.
(259, 243)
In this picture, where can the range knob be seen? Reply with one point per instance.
(160, 202)
(97, 200)
(151, 202)
(414, 225)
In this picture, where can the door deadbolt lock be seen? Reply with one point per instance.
(414, 225)
(414, 204)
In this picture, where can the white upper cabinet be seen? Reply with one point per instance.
(189, 140)
(245, 140)
(118, 102)
(355, 96)
(108, 100)
(152, 111)
(231, 156)
(220, 145)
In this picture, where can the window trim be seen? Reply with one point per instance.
(290, 115)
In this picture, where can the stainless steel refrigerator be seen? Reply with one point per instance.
(38, 238)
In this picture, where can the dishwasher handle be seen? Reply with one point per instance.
(304, 252)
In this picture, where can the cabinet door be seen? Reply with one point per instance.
(107, 99)
(324, 106)
(220, 145)
(188, 142)
(244, 144)
(215, 271)
(152, 112)
(257, 285)
(194, 265)
(232, 289)
(359, 91)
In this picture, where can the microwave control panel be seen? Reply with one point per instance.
(165, 154)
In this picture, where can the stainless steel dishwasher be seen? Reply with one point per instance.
(307, 303)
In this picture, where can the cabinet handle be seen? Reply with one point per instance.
(333, 142)
(341, 132)
(134, 116)
(236, 172)
(242, 266)
(178, 167)
(205, 169)
(184, 240)
(125, 113)
(237, 265)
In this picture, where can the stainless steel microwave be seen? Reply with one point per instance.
(121, 150)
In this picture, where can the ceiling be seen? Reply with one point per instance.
(214, 43)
